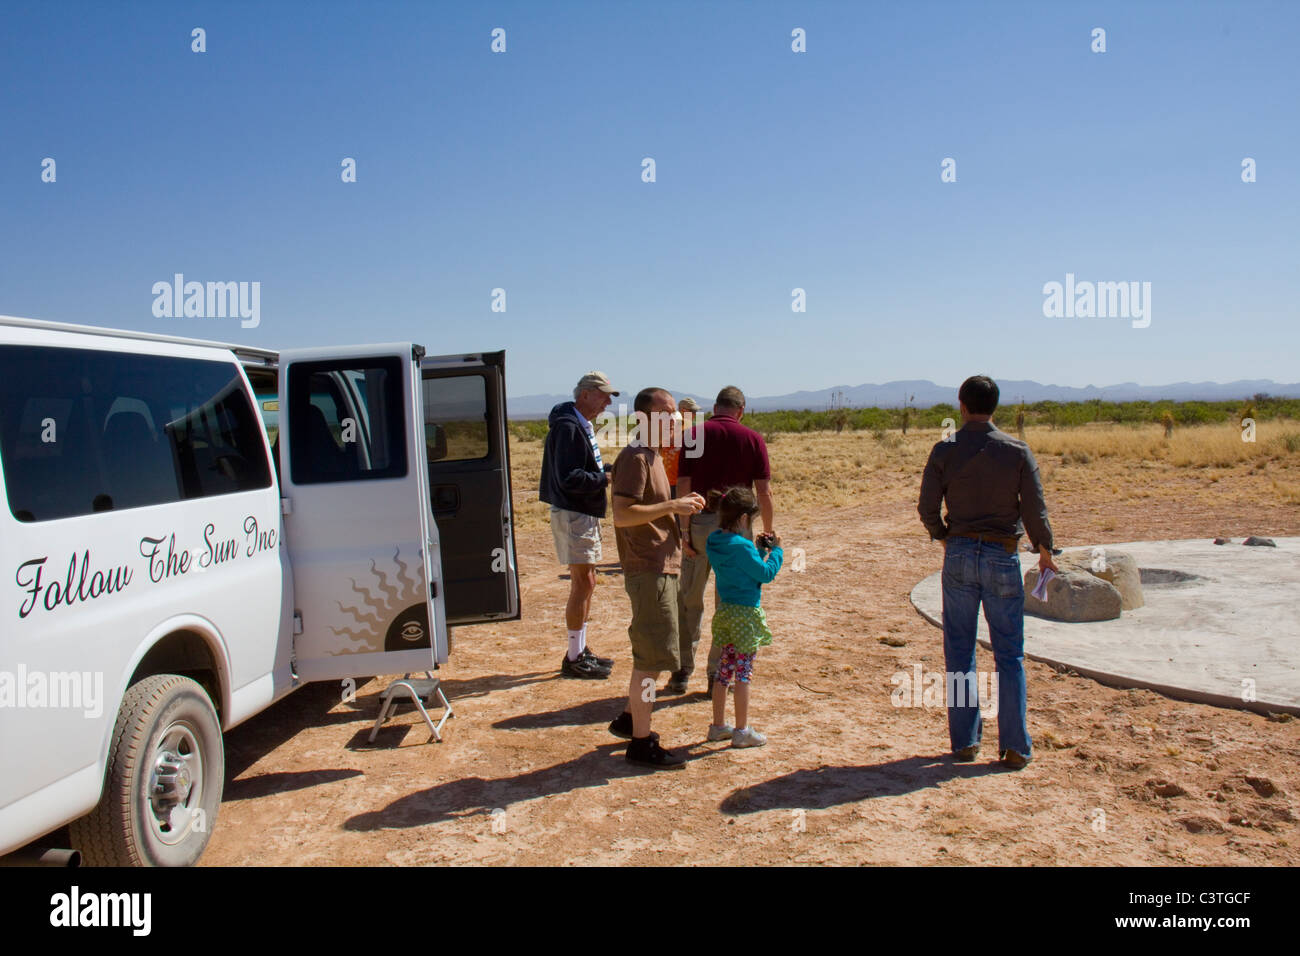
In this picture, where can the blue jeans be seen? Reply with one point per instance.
(975, 573)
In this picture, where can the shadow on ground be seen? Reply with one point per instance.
(262, 785)
(581, 715)
(258, 736)
(832, 786)
(474, 796)
(457, 689)
(311, 706)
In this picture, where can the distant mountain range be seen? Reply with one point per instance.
(923, 394)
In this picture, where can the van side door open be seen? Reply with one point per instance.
(468, 458)
(363, 546)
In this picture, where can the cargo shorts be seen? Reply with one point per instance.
(654, 621)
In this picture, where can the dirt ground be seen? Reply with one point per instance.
(528, 773)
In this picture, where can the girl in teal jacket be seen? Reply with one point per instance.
(739, 625)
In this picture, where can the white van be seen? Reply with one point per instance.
(191, 531)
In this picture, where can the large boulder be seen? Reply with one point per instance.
(1073, 595)
(1117, 568)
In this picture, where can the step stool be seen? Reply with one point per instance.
(419, 690)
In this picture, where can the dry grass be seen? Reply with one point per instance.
(1287, 491)
(824, 470)
(1199, 446)
(525, 469)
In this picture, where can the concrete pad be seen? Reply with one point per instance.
(1226, 615)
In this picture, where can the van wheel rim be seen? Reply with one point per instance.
(175, 783)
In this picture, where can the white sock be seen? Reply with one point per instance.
(583, 645)
(576, 644)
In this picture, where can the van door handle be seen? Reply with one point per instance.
(445, 499)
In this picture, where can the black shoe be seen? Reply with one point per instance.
(966, 754)
(583, 668)
(677, 683)
(621, 726)
(606, 662)
(646, 752)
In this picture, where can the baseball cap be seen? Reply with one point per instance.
(689, 404)
(597, 380)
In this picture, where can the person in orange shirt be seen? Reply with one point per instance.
(672, 454)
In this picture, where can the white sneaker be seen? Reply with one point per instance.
(747, 737)
(720, 732)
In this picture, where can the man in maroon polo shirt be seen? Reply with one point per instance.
(727, 453)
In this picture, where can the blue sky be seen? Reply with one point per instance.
(775, 170)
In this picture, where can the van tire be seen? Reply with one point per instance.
(167, 729)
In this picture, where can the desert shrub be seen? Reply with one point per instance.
(1075, 413)
(1193, 413)
(869, 419)
(529, 431)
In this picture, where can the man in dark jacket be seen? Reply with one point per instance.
(574, 479)
(991, 485)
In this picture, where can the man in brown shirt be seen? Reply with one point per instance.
(650, 550)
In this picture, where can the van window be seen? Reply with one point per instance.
(456, 418)
(83, 430)
(347, 421)
(265, 382)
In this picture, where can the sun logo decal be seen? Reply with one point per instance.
(392, 614)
